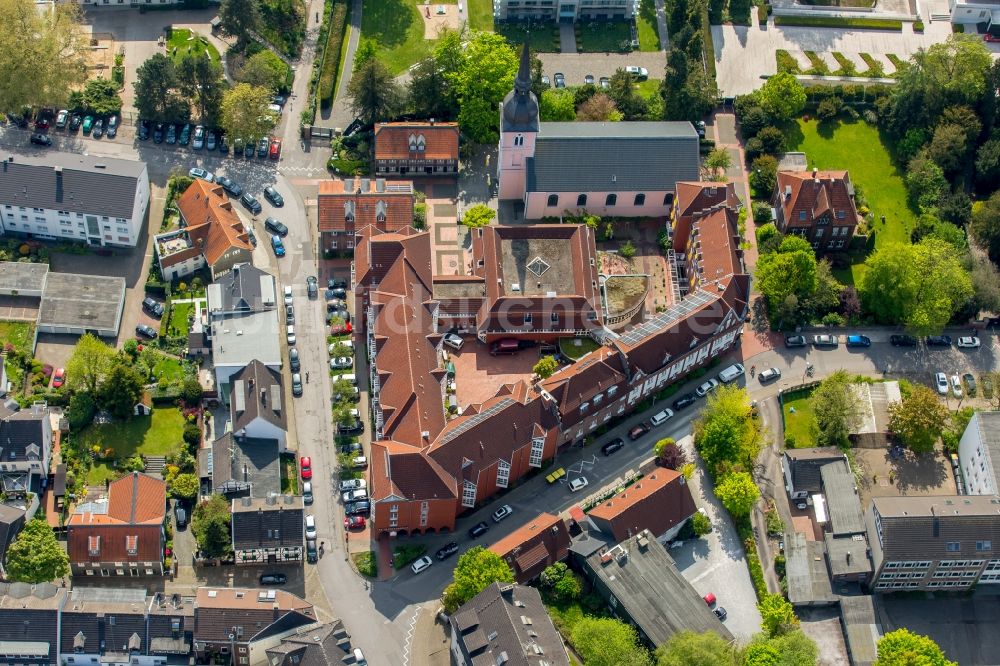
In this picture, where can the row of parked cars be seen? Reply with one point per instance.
(900, 340)
(209, 139)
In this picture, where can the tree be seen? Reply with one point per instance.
(608, 642)
(764, 175)
(686, 648)
(761, 654)
(955, 207)
(185, 486)
(904, 648)
(121, 388)
(752, 121)
(545, 367)
(192, 435)
(985, 226)
(772, 140)
(829, 108)
(988, 162)
(718, 160)
(688, 93)
(477, 216)
(82, 408)
(191, 391)
(367, 50)
(965, 118)
(768, 238)
(239, 18)
(36, 556)
(88, 365)
(200, 79)
(781, 97)
(210, 525)
(985, 282)
(449, 56)
(475, 570)
(598, 107)
(557, 105)
(777, 615)
(836, 409)
(561, 582)
(700, 524)
(668, 454)
(101, 96)
(948, 147)
(920, 286)
(265, 70)
(244, 112)
(726, 435)
(43, 54)
(488, 65)
(919, 419)
(791, 271)
(738, 493)
(621, 89)
(796, 649)
(429, 91)
(374, 93)
(154, 86)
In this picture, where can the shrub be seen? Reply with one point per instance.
(700, 524)
(839, 22)
(331, 54)
(761, 213)
(829, 108)
(366, 563)
(833, 319)
(786, 62)
(192, 434)
(627, 250)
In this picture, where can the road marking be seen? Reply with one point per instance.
(409, 637)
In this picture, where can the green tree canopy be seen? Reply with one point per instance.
(201, 80)
(904, 648)
(726, 435)
(777, 615)
(560, 581)
(475, 570)
(121, 388)
(598, 107)
(717, 163)
(210, 525)
(185, 486)
(483, 77)
(239, 18)
(479, 215)
(686, 648)
(557, 104)
(608, 642)
(621, 89)
(782, 97)
(738, 493)
(919, 419)
(35, 556)
(920, 286)
(545, 367)
(264, 69)
(89, 364)
(986, 224)
(155, 94)
(244, 112)
(101, 96)
(925, 180)
(374, 93)
(836, 409)
(791, 271)
(429, 92)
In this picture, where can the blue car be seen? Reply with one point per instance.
(278, 246)
(858, 341)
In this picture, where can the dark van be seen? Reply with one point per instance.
(505, 346)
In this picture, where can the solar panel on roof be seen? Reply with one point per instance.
(474, 420)
(694, 302)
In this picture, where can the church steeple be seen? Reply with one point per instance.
(520, 106)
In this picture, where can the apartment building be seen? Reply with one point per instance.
(416, 149)
(25, 450)
(345, 206)
(979, 454)
(57, 196)
(818, 206)
(565, 10)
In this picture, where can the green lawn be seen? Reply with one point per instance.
(18, 333)
(570, 349)
(155, 435)
(182, 41)
(542, 37)
(289, 475)
(648, 88)
(480, 13)
(604, 36)
(857, 147)
(177, 325)
(168, 369)
(649, 37)
(398, 29)
(798, 417)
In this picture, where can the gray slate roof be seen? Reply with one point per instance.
(271, 522)
(22, 429)
(246, 288)
(89, 184)
(805, 465)
(508, 620)
(842, 499)
(243, 466)
(313, 646)
(257, 393)
(613, 157)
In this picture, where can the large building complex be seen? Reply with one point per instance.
(100, 201)
(565, 10)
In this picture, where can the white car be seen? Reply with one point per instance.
(421, 564)
(290, 335)
(660, 418)
(341, 362)
(352, 484)
(197, 172)
(502, 513)
(731, 374)
(310, 526)
(968, 342)
(707, 387)
(454, 341)
(577, 484)
(641, 73)
(941, 380)
(956, 386)
(354, 495)
(769, 375)
(288, 295)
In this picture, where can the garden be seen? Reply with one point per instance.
(182, 42)
(797, 413)
(159, 434)
(19, 334)
(398, 30)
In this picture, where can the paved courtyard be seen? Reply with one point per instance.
(478, 374)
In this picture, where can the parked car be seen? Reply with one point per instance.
(112, 127)
(588, 79)
(660, 418)
(795, 341)
(143, 130)
(293, 360)
(638, 431)
(578, 484)
(62, 118)
(354, 495)
(560, 80)
(277, 246)
(478, 530)
(941, 381)
(230, 186)
(446, 551)
(198, 172)
(74, 122)
(171, 134)
(152, 306)
(454, 341)
(640, 73)
(41, 139)
(769, 375)
(180, 515)
(248, 149)
(145, 332)
(720, 613)
(902, 340)
(275, 227)
(251, 204)
(273, 579)
(970, 383)
(305, 465)
(341, 362)
(98, 130)
(290, 335)
(858, 341)
(604, 82)
(938, 340)
(312, 554)
(421, 564)
(262, 144)
(296, 384)
(210, 141)
(59, 378)
(199, 138)
(336, 283)
(956, 386)
(968, 342)
(684, 401)
(352, 484)
(223, 144)
(158, 133)
(360, 508)
(502, 513)
(354, 523)
(185, 135)
(273, 196)
(732, 373)
(275, 150)
(307, 492)
(709, 599)
(359, 462)
(238, 147)
(707, 387)
(312, 286)
(612, 446)
(825, 340)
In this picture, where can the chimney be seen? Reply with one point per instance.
(432, 122)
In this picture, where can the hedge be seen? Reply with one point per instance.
(331, 55)
(839, 22)
(745, 531)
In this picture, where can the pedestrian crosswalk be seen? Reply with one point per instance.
(302, 171)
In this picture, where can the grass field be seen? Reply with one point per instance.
(155, 435)
(398, 29)
(18, 333)
(570, 349)
(604, 36)
(480, 14)
(798, 417)
(542, 38)
(177, 325)
(649, 38)
(168, 369)
(182, 41)
(857, 147)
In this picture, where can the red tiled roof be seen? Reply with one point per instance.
(815, 194)
(721, 256)
(580, 381)
(532, 547)
(697, 197)
(388, 205)
(401, 470)
(393, 141)
(212, 224)
(657, 502)
(130, 529)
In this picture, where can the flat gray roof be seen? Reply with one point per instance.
(848, 555)
(858, 615)
(243, 338)
(71, 300)
(612, 130)
(842, 499)
(78, 183)
(805, 570)
(22, 277)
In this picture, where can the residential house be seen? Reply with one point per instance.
(245, 290)
(237, 466)
(211, 235)
(256, 403)
(505, 624)
(545, 11)
(240, 625)
(346, 206)
(51, 195)
(532, 547)
(105, 626)
(660, 503)
(949, 543)
(806, 573)
(818, 206)
(643, 587)
(11, 522)
(979, 454)
(801, 468)
(268, 530)
(416, 149)
(411, 492)
(693, 200)
(313, 646)
(122, 534)
(25, 448)
(602, 168)
(29, 622)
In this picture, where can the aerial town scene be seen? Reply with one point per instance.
(500, 332)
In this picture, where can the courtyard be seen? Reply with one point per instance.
(479, 374)
(157, 435)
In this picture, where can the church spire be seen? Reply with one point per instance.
(520, 106)
(522, 83)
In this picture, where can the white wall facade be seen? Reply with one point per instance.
(512, 170)
(625, 204)
(974, 460)
(263, 429)
(965, 13)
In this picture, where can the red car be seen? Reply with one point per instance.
(59, 378)
(709, 599)
(306, 466)
(41, 125)
(354, 523)
(275, 149)
(341, 328)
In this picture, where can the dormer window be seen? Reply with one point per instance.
(412, 142)
(94, 546)
(349, 211)
(132, 544)
(380, 211)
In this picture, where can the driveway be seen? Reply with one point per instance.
(577, 65)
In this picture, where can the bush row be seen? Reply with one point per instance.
(331, 55)
(753, 559)
(840, 22)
